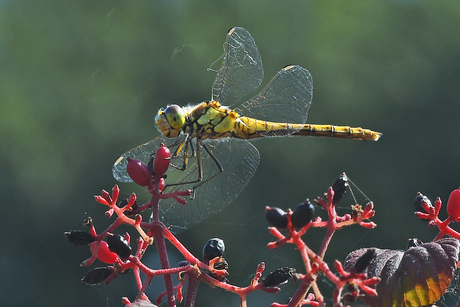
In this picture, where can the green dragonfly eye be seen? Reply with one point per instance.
(175, 116)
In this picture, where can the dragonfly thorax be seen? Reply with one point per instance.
(211, 120)
(206, 120)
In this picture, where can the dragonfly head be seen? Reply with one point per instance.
(171, 120)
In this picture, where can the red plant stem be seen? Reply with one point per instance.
(122, 219)
(336, 294)
(235, 289)
(155, 206)
(181, 248)
(444, 229)
(331, 227)
(160, 242)
(158, 234)
(318, 261)
(300, 293)
(111, 228)
(302, 290)
(327, 238)
(192, 287)
(310, 278)
(143, 207)
(156, 272)
(146, 283)
(137, 275)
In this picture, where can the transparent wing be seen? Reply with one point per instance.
(239, 160)
(241, 72)
(286, 98)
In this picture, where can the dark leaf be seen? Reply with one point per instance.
(418, 276)
(365, 260)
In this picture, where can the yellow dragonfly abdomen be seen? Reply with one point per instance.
(343, 132)
(250, 128)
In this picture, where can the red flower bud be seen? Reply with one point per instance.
(181, 200)
(161, 184)
(138, 171)
(103, 253)
(453, 205)
(161, 161)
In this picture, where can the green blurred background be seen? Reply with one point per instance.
(81, 82)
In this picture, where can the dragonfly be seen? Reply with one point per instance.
(211, 140)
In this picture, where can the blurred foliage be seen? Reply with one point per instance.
(81, 82)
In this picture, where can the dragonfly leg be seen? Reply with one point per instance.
(200, 170)
(183, 168)
(199, 162)
(185, 150)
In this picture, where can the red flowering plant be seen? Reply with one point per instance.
(357, 277)
(289, 227)
(115, 249)
(426, 211)
(421, 274)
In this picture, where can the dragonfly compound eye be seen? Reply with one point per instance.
(170, 121)
(175, 116)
